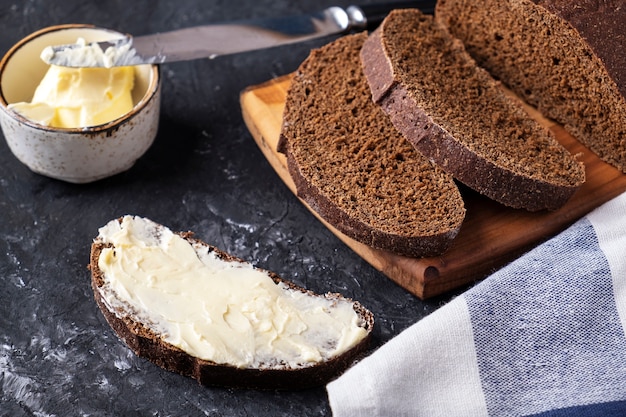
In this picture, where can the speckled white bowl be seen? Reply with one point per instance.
(77, 155)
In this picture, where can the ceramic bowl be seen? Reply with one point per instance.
(77, 155)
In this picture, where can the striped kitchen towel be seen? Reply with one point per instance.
(544, 336)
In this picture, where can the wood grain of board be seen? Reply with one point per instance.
(491, 236)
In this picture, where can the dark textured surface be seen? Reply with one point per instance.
(58, 357)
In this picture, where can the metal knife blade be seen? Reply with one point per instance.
(211, 41)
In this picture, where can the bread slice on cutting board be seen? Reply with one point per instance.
(354, 169)
(564, 57)
(457, 115)
(198, 311)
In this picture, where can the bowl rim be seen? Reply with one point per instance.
(151, 91)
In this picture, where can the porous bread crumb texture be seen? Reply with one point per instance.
(547, 62)
(347, 148)
(468, 103)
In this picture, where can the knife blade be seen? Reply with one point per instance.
(211, 41)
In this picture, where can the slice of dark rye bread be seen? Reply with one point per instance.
(353, 168)
(147, 343)
(564, 57)
(456, 114)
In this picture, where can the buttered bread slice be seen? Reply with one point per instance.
(193, 309)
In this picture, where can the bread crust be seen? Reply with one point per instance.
(601, 25)
(477, 171)
(415, 246)
(146, 344)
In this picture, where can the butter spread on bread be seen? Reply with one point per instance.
(216, 308)
(221, 311)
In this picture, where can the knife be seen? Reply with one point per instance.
(211, 41)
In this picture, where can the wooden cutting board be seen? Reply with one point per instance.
(491, 236)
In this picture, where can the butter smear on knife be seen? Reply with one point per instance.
(80, 97)
(83, 54)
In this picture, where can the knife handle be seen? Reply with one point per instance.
(369, 16)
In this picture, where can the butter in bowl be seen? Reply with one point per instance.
(76, 124)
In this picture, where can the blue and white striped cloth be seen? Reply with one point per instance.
(544, 336)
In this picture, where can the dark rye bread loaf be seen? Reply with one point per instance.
(354, 168)
(142, 339)
(456, 114)
(564, 57)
